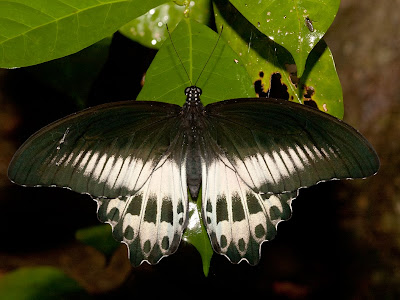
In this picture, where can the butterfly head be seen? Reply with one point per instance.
(193, 95)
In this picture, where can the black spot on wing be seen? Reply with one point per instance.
(135, 205)
(167, 210)
(237, 209)
(222, 209)
(150, 214)
(252, 204)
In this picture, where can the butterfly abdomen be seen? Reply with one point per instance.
(193, 132)
(193, 173)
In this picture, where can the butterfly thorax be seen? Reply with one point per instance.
(193, 96)
(193, 111)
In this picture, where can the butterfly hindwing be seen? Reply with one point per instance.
(239, 220)
(277, 146)
(152, 221)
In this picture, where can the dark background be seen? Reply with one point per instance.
(343, 241)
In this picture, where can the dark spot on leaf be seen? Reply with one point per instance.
(277, 89)
(308, 92)
(311, 103)
(292, 70)
(258, 87)
(261, 74)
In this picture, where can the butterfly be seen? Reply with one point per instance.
(140, 160)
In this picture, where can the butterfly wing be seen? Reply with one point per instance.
(239, 220)
(106, 151)
(152, 221)
(256, 154)
(278, 146)
(130, 157)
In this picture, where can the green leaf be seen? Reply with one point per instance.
(271, 67)
(321, 81)
(150, 30)
(221, 79)
(196, 235)
(35, 31)
(98, 237)
(43, 283)
(296, 25)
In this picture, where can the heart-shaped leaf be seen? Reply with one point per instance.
(221, 79)
(296, 25)
(272, 68)
(35, 31)
(150, 30)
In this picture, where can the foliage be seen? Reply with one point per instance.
(99, 237)
(39, 283)
(276, 47)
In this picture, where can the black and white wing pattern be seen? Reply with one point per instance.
(130, 157)
(137, 160)
(151, 221)
(239, 220)
(256, 154)
(277, 146)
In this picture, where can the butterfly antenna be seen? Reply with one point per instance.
(219, 36)
(178, 55)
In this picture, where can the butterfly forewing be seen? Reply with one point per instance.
(276, 146)
(108, 151)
